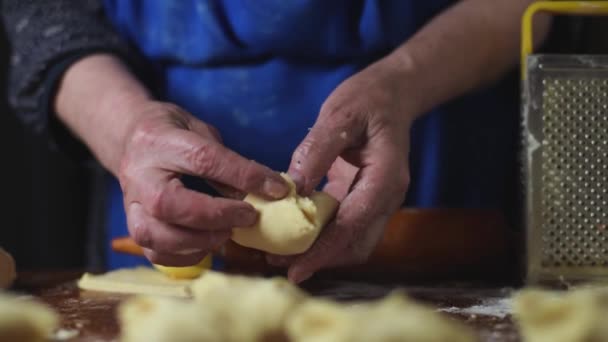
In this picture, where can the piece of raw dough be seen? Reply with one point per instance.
(394, 318)
(139, 280)
(557, 316)
(163, 319)
(251, 308)
(25, 320)
(238, 308)
(225, 308)
(8, 272)
(287, 226)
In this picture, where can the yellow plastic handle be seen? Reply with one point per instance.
(555, 7)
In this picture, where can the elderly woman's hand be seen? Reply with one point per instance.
(149, 145)
(361, 142)
(175, 225)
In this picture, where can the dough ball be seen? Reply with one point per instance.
(253, 309)
(394, 318)
(8, 272)
(287, 226)
(25, 320)
(554, 316)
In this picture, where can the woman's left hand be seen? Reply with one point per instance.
(361, 142)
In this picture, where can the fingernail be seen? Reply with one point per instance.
(274, 188)
(135, 206)
(248, 216)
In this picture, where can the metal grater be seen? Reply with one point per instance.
(565, 156)
(565, 130)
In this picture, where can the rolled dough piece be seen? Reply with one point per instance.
(25, 320)
(287, 226)
(139, 280)
(8, 272)
(394, 318)
(554, 316)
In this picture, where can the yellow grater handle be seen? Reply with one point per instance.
(555, 7)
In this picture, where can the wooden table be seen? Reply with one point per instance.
(92, 315)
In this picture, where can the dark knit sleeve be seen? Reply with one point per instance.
(45, 38)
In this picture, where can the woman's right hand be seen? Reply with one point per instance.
(148, 146)
(177, 226)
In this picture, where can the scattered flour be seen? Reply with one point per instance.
(497, 307)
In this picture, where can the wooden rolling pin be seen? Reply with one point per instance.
(417, 243)
(439, 243)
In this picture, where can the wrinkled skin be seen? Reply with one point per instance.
(360, 139)
(361, 142)
(177, 226)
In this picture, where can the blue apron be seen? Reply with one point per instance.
(259, 70)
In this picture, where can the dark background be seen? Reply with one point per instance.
(45, 196)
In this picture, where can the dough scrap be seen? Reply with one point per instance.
(25, 320)
(139, 280)
(556, 316)
(8, 272)
(287, 226)
(238, 308)
(394, 318)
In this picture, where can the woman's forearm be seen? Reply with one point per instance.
(97, 100)
(466, 46)
(469, 45)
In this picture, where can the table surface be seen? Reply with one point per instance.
(91, 315)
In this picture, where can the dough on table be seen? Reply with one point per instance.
(394, 318)
(139, 280)
(238, 308)
(225, 308)
(25, 320)
(251, 308)
(164, 319)
(8, 272)
(287, 226)
(578, 315)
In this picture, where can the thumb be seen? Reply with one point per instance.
(314, 156)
